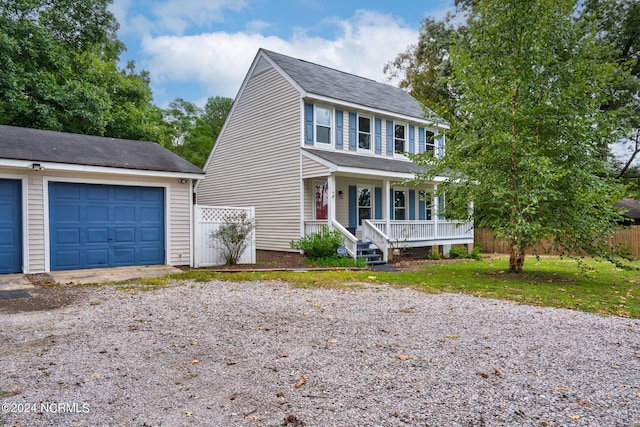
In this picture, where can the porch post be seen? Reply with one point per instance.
(331, 189)
(386, 205)
(436, 208)
(435, 215)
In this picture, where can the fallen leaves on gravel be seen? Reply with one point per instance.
(499, 372)
(231, 362)
(301, 381)
(402, 357)
(284, 354)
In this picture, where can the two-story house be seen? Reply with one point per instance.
(308, 145)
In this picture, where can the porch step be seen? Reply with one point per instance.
(371, 254)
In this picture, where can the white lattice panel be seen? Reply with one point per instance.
(214, 214)
(207, 250)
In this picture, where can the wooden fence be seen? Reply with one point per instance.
(628, 238)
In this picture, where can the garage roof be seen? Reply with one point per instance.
(36, 145)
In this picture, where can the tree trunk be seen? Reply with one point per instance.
(516, 260)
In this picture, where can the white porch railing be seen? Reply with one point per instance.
(373, 234)
(350, 241)
(403, 232)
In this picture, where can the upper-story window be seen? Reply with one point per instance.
(364, 133)
(430, 142)
(323, 125)
(400, 138)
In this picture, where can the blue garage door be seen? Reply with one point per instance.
(94, 226)
(10, 226)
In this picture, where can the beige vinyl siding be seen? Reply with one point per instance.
(35, 239)
(311, 169)
(179, 219)
(256, 161)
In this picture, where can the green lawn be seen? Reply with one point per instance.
(550, 281)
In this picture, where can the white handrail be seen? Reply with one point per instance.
(350, 241)
(374, 235)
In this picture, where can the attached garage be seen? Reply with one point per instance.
(93, 226)
(71, 202)
(10, 226)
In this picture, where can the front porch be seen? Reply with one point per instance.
(387, 235)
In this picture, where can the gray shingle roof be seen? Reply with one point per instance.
(48, 146)
(320, 80)
(366, 162)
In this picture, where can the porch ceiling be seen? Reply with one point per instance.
(358, 161)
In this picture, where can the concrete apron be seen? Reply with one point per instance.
(10, 282)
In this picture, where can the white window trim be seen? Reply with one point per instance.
(406, 140)
(371, 134)
(434, 145)
(372, 202)
(405, 190)
(316, 143)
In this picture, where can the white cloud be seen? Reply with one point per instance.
(219, 61)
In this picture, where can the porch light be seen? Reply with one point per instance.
(182, 180)
(36, 167)
(340, 194)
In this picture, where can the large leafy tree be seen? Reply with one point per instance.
(529, 141)
(58, 70)
(191, 131)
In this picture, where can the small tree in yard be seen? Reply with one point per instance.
(234, 234)
(529, 145)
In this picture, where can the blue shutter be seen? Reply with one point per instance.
(421, 209)
(412, 137)
(378, 136)
(412, 205)
(378, 203)
(339, 128)
(440, 142)
(308, 124)
(353, 207)
(391, 203)
(421, 140)
(440, 207)
(390, 137)
(352, 131)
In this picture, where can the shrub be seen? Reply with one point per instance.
(458, 252)
(234, 235)
(435, 255)
(322, 244)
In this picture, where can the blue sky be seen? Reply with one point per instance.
(195, 49)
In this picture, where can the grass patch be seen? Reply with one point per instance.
(550, 281)
(336, 261)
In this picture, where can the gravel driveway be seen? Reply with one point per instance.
(264, 354)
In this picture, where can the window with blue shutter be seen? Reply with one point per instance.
(378, 135)
(308, 124)
(440, 142)
(390, 137)
(412, 205)
(353, 207)
(391, 203)
(421, 140)
(440, 207)
(353, 131)
(412, 139)
(339, 129)
(378, 203)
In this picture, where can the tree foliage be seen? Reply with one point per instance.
(58, 71)
(191, 131)
(528, 146)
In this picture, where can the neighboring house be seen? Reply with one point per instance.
(631, 209)
(308, 145)
(71, 201)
